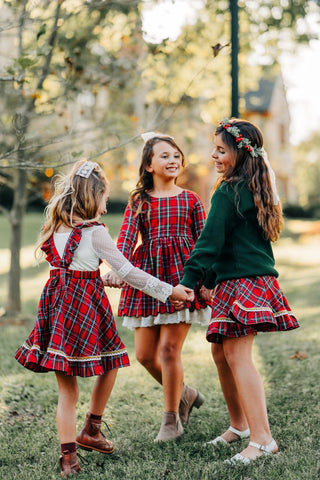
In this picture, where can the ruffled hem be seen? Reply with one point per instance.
(247, 306)
(43, 362)
(226, 327)
(182, 316)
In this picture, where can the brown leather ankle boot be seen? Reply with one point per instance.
(91, 438)
(190, 398)
(69, 463)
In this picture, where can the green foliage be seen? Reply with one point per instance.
(91, 55)
(297, 211)
(26, 62)
(100, 53)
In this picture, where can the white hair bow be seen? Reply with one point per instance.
(86, 169)
(148, 135)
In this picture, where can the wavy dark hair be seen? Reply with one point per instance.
(254, 171)
(139, 196)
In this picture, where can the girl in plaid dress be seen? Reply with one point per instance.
(169, 220)
(75, 333)
(234, 256)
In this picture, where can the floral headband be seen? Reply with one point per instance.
(254, 151)
(244, 142)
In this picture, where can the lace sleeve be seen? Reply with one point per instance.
(106, 249)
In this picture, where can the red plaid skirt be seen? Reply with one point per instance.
(75, 332)
(246, 306)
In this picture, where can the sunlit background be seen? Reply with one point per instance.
(301, 69)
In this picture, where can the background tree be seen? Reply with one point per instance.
(57, 69)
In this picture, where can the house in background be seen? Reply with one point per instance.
(267, 107)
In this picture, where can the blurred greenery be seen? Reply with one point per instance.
(33, 223)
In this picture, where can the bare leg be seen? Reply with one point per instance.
(238, 353)
(147, 350)
(101, 391)
(66, 411)
(158, 349)
(172, 338)
(230, 392)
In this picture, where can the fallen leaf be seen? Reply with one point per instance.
(218, 47)
(299, 355)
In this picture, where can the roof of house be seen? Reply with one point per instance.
(259, 100)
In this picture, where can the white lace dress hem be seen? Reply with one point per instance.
(201, 316)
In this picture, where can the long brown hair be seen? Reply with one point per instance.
(139, 196)
(254, 171)
(74, 195)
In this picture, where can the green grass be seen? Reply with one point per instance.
(32, 224)
(28, 435)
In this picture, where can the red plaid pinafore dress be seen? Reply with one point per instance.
(169, 228)
(75, 332)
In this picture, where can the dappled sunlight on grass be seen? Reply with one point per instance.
(197, 358)
(28, 400)
(31, 287)
(27, 258)
(113, 295)
(309, 311)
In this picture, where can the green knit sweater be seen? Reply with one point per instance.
(231, 244)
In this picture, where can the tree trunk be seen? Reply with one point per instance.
(22, 122)
(16, 219)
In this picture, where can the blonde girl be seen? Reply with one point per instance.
(75, 333)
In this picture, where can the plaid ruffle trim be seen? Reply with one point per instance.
(31, 357)
(246, 306)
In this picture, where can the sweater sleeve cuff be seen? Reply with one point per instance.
(188, 282)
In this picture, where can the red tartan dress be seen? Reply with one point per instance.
(75, 332)
(169, 228)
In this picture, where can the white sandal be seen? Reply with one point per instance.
(241, 434)
(269, 449)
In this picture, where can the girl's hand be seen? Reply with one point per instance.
(180, 295)
(206, 294)
(111, 279)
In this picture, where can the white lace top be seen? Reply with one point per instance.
(95, 244)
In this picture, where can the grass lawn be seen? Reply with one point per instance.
(28, 435)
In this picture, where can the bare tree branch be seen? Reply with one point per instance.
(27, 165)
(51, 43)
(28, 147)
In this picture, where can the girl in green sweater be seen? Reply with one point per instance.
(234, 256)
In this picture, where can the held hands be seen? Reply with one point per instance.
(206, 294)
(180, 295)
(111, 279)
